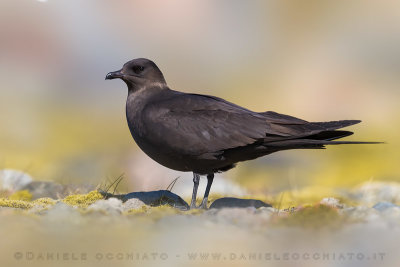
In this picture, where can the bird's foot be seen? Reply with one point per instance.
(193, 205)
(203, 204)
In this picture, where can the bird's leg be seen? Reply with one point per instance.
(196, 181)
(210, 179)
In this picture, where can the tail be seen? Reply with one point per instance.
(311, 143)
(333, 125)
(322, 138)
(294, 133)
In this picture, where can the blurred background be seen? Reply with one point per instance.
(317, 60)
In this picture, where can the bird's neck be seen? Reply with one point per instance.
(140, 96)
(139, 93)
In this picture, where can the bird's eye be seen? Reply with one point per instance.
(137, 69)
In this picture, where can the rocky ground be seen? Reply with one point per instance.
(359, 227)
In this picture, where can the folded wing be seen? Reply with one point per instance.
(199, 124)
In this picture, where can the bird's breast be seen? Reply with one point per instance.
(152, 147)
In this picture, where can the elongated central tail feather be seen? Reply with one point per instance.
(309, 143)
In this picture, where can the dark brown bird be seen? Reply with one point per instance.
(206, 134)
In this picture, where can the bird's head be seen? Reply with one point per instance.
(138, 73)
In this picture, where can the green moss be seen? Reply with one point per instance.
(316, 216)
(24, 195)
(19, 204)
(83, 201)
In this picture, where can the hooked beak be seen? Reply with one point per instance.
(114, 75)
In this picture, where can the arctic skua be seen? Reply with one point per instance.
(205, 134)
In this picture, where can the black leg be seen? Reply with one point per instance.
(210, 179)
(196, 181)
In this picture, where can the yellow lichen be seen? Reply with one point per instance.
(159, 212)
(316, 216)
(142, 210)
(19, 204)
(44, 201)
(20, 201)
(304, 196)
(83, 201)
(24, 195)
(193, 211)
(154, 213)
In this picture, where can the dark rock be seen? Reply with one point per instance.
(231, 202)
(154, 198)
